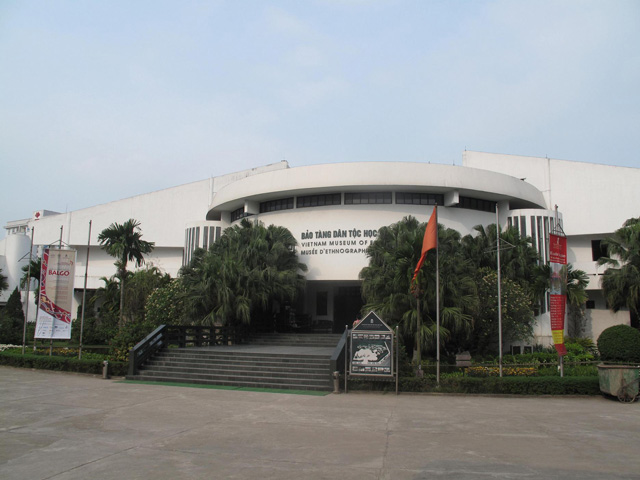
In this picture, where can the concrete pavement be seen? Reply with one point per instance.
(66, 426)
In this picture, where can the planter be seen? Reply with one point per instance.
(620, 381)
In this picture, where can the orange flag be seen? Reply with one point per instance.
(430, 240)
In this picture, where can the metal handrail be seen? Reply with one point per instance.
(145, 348)
(336, 363)
(181, 336)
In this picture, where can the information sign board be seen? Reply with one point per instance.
(371, 348)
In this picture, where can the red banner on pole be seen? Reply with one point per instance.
(558, 297)
(557, 249)
(56, 294)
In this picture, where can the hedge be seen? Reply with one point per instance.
(491, 385)
(44, 362)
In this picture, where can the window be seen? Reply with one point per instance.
(237, 214)
(591, 304)
(523, 226)
(404, 198)
(477, 204)
(534, 238)
(367, 198)
(275, 205)
(319, 200)
(598, 250)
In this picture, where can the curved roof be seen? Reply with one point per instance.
(377, 176)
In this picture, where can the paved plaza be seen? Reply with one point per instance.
(66, 426)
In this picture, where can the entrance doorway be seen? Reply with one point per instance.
(347, 305)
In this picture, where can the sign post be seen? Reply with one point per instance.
(371, 352)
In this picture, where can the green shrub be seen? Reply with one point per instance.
(95, 331)
(526, 385)
(569, 371)
(586, 344)
(620, 343)
(587, 385)
(14, 358)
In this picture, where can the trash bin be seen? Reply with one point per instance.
(105, 369)
(336, 382)
(621, 381)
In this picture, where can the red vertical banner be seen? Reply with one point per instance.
(558, 306)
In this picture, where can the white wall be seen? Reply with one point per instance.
(14, 254)
(594, 199)
(360, 224)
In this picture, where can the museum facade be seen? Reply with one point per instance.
(335, 211)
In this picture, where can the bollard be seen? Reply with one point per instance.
(336, 382)
(105, 369)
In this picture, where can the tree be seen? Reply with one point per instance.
(140, 285)
(242, 277)
(31, 271)
(124, 243)
(518, 258)
(516, 309)
(166, 304)
(4, 284)
(621, 281)
(386, 284)
(12, 320)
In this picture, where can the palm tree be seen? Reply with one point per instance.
(244, 273)
(577, 282)
(124, 243)
(517, 256)
(107, 298)
(386, 283)
(621, 281)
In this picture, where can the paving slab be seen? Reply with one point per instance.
(68, 426)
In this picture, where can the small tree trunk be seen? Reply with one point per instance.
(121, 320)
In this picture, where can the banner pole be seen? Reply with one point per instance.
(84, 292)
(53, 319)
(397, 359)
(26, 314)
(418, 334)
(346, 355)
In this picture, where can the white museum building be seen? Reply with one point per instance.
(335, 210)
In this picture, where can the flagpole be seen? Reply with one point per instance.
(26, 307)
(499, 292)
(437, 301)
(429, 242)
(418, 334)
(84, 292)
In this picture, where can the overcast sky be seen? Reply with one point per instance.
(101, 100)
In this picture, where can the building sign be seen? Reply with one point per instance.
(558, 294)
(371, 348)
(336, 241)
(56, 294)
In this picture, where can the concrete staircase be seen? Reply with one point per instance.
(328, 340)
(279, 361)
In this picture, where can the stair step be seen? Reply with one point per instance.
(304, 366)
(323, 373)
(235, 383)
